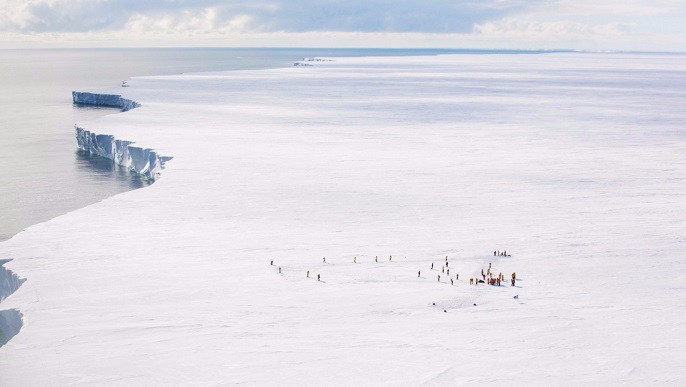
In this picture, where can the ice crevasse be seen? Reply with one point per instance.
(144, 161)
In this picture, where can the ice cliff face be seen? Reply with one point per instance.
(144, 161)
(9, 282)
(110, 100)
(11, 319)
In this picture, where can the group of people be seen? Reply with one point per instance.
(495, 281)
(446, 269)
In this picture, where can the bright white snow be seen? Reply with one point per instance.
(573, 163)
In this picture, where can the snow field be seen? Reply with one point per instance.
(572, 162)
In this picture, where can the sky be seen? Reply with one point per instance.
(644, 25)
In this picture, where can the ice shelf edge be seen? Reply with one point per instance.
(11, 320)
(143, 161)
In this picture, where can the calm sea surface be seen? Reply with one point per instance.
(42, 175)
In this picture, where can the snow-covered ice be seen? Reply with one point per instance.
(572, 162)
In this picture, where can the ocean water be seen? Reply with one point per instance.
(42, 174)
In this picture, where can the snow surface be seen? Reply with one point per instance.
(573, 163)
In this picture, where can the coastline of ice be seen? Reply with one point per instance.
(144, 161)
(571, 162)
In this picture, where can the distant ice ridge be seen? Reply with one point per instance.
(110, 100)
(10, 320)
(144, 161)
(304, 61)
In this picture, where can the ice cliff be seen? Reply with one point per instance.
(11, 319)
(9, 282)
(144, 161)
(109, 100)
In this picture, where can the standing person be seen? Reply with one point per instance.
(319, 276)
(355, 260)
(308, 274)
(432, 265)
(419, 274)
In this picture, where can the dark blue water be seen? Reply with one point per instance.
(42, 175)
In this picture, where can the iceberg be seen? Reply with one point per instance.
(320, 224)
(107, 100)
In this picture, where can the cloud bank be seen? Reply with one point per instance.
(510, 23)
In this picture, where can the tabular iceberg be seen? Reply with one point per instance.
(109, 100)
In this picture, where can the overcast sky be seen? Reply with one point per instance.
(514, 24)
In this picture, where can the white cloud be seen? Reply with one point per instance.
(579, 24)
(554, 30)
(595, 8)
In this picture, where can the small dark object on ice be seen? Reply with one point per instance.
(516, 297)
(445, 311)
(433, 303)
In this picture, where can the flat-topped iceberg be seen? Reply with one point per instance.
(320, 226)
(99, 99)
